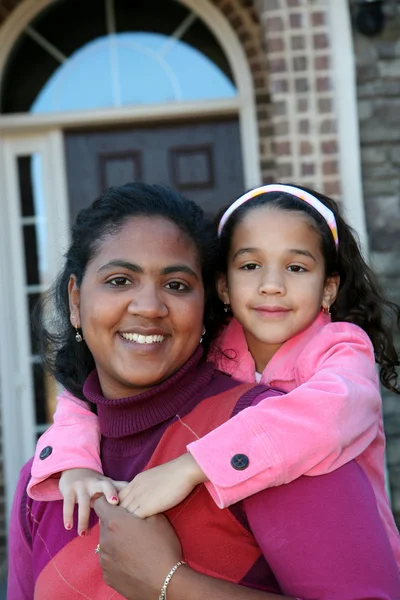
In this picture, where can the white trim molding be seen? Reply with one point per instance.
(345, 89)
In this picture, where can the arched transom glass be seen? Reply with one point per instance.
(93, 54)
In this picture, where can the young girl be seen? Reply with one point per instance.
(307, 319)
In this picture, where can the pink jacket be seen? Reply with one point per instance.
(330, 415)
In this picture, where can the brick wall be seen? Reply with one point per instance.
(378, 90)
(304, 142)
(244, 19)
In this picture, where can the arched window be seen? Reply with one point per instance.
(132, 69)
(88, 55)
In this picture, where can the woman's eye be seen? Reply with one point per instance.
(296, 269)
(119, 281)
(250, 267)
(176, 286)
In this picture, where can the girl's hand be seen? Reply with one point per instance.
(135, 554)
(81, 486)
(158, 489)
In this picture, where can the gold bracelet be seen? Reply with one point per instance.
(163, 592)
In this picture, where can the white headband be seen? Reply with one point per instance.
(323, 210)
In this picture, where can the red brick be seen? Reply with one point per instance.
(328, 126)
(325, 105)
(275, 45)
(300, 63)
(298, 42)
(285, 170)
(274, 24)
(332, 188)
(305, 147)
(304, 126)
(282, 148)
(322, 62)
(302, 104)
(320, 41)
(267, 179)
(262, 114)
(329, 147)
(280, 108)
(330, 167)
(281, 128)
(301, 84)
(317, 19)
(259, 82)
(279, 86)
(277, 65)
(296, 20)
(308, 169)
(323, 84)
(271, 4)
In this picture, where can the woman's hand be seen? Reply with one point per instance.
(135, 554)
(81, 486)
(159, 489)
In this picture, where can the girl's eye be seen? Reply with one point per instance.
(296, 269)
(177, 286)
(250, 267)
(119, 281)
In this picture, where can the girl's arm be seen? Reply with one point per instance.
(323, 537)
(20, 584)
(331, 418)
(73, 441)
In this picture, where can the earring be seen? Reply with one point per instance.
(326, 310)
(203, 334)
(78, 336)
(226, 307)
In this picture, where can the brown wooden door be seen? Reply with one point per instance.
(202, 160)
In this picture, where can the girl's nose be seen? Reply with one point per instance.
(272, 282)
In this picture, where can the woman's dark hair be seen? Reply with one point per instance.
(71, 362)
(359, 300)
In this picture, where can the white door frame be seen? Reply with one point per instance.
(17, 397)
(345, 87)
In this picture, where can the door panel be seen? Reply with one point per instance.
(202, 160)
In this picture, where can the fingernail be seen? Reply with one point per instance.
(82, 533)
(68, 526)
(114, 499)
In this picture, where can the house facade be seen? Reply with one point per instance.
(209, 96)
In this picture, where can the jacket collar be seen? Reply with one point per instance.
(231, 354)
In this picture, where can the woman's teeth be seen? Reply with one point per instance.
(143, 339)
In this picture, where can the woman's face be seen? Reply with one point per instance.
(140, 305)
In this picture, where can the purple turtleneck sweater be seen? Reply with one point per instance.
(321, 537)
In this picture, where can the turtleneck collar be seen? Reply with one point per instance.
(129, 416)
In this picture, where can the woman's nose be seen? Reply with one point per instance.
(147, 302)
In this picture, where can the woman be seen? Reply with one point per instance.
(134, 283)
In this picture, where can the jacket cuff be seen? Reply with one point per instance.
(44, 489)
(237, 461)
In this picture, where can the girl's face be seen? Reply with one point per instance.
(140, 305)
(275, 281)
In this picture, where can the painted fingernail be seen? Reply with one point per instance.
(114, 499)
(68, 526)
(82, 533)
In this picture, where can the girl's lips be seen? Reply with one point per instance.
(272, 311)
